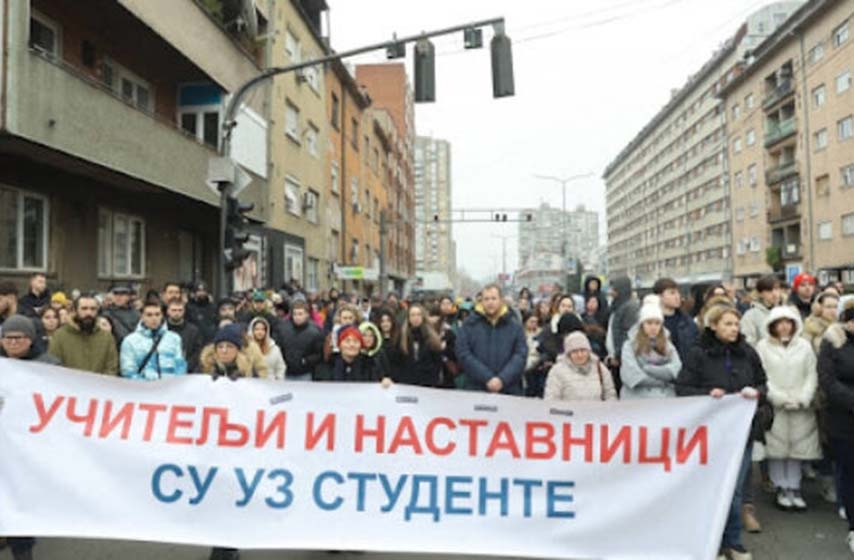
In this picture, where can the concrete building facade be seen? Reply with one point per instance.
(667, 192)
(792, 197)
(435, 250)
(109, 114)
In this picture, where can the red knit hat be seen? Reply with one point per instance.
(350, 331)
(801, 278)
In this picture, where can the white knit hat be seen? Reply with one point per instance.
(651, 310)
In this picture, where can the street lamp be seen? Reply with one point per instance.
(563, 181)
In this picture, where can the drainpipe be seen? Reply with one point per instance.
(808, 151)
(4, 67)
(342, 187)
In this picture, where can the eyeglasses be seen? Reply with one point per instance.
(15, 337)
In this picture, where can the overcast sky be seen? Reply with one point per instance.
(588, 76)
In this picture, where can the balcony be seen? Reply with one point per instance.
(784, 213)
(781, 172)
(783, 91)
(777, 131)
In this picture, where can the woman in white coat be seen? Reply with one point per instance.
(259, 334)
(790, 364)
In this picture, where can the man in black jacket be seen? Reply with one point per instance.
(803, 294)
(683, 330)
(624, 315)
(302, 343)
(32, 304)
(122, 313)
(191, 338)
(201, 311)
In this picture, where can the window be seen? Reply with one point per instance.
(754, 209)
(292, 48)
(748, 101)
(312, 201)
(312, 274)
(742, 247)
(44, 36)
(847, 174)
(821, 139)
(367, 205)
(121, 245)
(354, 251)
(354, 131)
(840, 34)
(825, 231)
(790, 193)
(739, 214)
(822, 185)
(819, 96)
(311, 139)
(845, 127)
(751, 175)
(843, 81)
(293, 263)
(292, 121)
(354, 193)
(736, 111)
(736, 145)
(816, 53)
(199, 112)
(292, 197)
(738, 180)
(335, 178)
(750, 138)
(755, 246)
(848, 224)
(336, 109)
(23, 230)
(128, 86)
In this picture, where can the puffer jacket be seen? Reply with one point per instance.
(836, 375)
(753, 323)
(488, 348)
(167, 360)
(568, 382)
(648, 376)
(792, 381)
(624, 315)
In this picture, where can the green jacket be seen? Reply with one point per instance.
(94, 352)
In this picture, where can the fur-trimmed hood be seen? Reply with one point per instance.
(836, 335)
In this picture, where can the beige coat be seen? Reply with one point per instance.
(567, 382)
(792, 379)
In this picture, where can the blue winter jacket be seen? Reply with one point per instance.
(487, 349)
(166, 361)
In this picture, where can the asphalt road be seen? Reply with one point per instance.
(818, 534)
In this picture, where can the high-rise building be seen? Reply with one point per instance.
(790, 129)
(667, 192)
(550, 231)
(435, 250)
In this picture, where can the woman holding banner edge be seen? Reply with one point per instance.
(722, 363)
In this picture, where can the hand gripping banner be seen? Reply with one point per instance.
(263, 464)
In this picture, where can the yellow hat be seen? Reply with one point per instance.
(60, 298)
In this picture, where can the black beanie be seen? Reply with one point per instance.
(569, 323)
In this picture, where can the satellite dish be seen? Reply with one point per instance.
(240, 15)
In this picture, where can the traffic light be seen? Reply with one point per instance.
(502, 64)
(425, 71)
(236, 234)
(529, 217)
(499, 217)
(473, 38)
(436, 218)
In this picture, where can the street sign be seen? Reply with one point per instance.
(226, 170)
(356, 273)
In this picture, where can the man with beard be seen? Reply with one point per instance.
(191, 338)
(82, 345)
(201, 311)
(125, 318)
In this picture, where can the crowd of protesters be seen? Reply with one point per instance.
(791, 351)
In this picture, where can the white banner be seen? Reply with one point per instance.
(263, 464)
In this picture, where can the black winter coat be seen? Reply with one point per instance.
(302, 346)
(30, 305)
(836, 376)
(191, 343)
(683, 332)
(706, 368)
(360, 370)
(419, 366)
(203, 315)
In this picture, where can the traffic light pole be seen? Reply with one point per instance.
(502, 86)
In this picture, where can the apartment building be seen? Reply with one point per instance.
(389, 88)
(435, 250)
(791, 150)
(667, 192)
(552, 231)
(109, 114)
